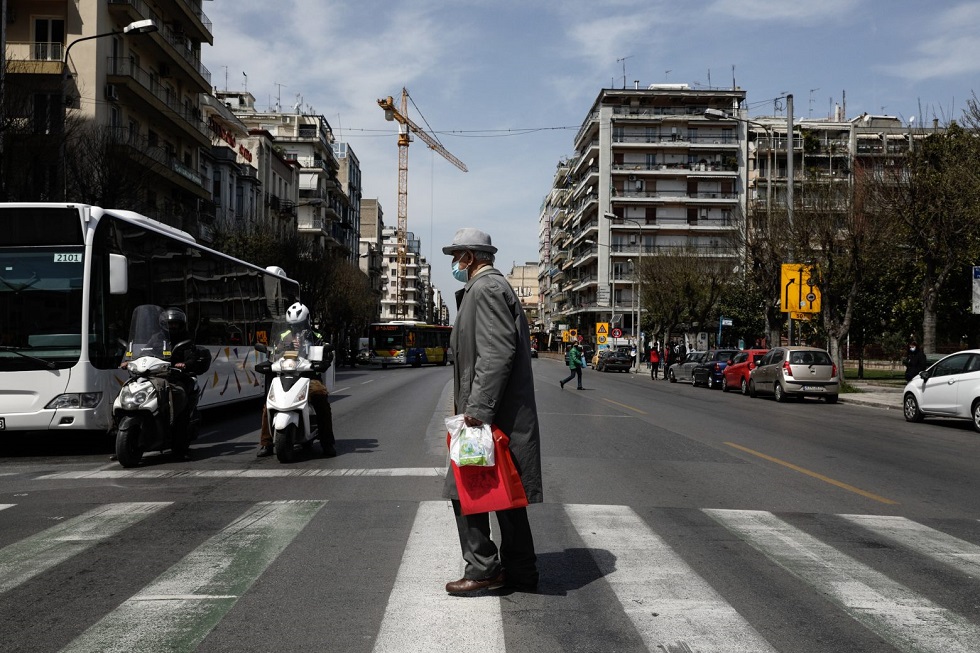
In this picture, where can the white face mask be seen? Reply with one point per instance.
(911, 348)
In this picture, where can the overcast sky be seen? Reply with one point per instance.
(505, 84)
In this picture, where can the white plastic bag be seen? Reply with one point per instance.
(470, 445)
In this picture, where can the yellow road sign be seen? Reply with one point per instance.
(602, 328)
(798, 290)
(796, 315)
(600, 340)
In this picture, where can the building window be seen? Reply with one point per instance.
(49, 38)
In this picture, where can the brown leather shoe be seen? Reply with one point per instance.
(467, 585)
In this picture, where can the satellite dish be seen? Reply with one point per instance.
(911, 121)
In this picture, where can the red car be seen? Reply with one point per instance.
(736, 373)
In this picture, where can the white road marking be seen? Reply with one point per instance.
(177, 610)
(335, 390)
(242, 473)
(4, 506)
(959, 554)
(29, 557)
(909, 622)
(672, 608)
(420, 616)
(366, 382)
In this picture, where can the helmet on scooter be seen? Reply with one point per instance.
(174, 320)
(298, 316)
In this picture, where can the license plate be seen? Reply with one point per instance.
(3, 424)
(813, 388)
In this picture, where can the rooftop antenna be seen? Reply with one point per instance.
(623, 61)
(243, 75)
(279, 95)
(810, 110)
(666, 75)
(226, 77)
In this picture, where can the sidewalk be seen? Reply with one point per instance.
(872, 394)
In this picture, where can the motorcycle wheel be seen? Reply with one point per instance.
(284, 444)
(128, 451)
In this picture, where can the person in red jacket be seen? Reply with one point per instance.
(654, 362)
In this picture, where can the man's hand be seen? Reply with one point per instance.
(180, 366)
(472, 421)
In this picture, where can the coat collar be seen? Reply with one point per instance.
(460, 294)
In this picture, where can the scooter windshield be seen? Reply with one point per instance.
(289, 339)
(147, 336)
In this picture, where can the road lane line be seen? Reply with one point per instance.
(32, 555)
(909, 622)
(176, 611)
(672, 608)
(4, 506)
(959, 554)
(242, 473)
(420, 616)
(635, 410)
(818, 476)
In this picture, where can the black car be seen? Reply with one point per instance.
(618, 361)
(710, 371)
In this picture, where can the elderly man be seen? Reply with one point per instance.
(493, 384)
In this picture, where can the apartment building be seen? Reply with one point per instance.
(80, 68)
(323, 207)
(370, 250)
(411, 300)
(524, 280)
(650, 174)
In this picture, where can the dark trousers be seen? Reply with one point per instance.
(483, 559)
(575, 372)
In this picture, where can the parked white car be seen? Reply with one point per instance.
(949, 388)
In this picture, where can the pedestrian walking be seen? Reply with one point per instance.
(915, 361)
(575, 364)
(654, 363)
(493, 384)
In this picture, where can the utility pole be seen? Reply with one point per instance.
(789, 193)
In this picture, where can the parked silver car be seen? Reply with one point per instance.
(949, 388)
(683, 371)
(796, 372)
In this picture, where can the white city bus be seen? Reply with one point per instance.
(70, 276)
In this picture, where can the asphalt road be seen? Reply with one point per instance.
(676, 519)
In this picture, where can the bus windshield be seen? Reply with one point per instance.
(40, 306)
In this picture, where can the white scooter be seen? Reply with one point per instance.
(291, 418)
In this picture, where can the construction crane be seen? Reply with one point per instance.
(405, 128)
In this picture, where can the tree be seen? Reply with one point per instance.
(935, 196)
(683, 286)
(103, 169)
(841, 238)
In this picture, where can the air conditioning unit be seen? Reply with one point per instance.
(111, 93)
(632, 177)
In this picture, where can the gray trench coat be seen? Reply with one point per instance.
(492, 379)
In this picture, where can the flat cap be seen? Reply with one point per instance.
(470, 238)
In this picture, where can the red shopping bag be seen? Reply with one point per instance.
(488, 489)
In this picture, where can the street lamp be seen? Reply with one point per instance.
(639, 285)
(135, 28)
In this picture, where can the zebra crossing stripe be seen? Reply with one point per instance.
(420, 616)
(27, 558)
(4, 506)
(177, 610)
(672, 608)
(959, 554)
(906, 620)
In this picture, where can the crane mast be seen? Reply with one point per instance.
(406, 127)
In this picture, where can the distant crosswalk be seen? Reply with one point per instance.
(662, 597)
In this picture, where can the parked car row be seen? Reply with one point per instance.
(783, 372)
